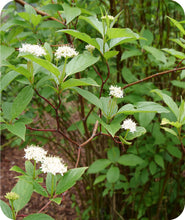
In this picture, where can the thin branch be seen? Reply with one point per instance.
(40, 12)
(46, 100)
(59, 13)
(92, 136)
(78, 157)
(95, 69)
(40, 129)
(86, 142)
(152, 76)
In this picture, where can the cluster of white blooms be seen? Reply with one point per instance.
(48, 164)
(65, 51)
(89, 47)
(35, 153)
(53, 165)
(129, 124)
(110, 17)
(33, 49)
(116, 91)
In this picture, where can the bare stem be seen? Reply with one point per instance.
(40, 12)
(152, 76)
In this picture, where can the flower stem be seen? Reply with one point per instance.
(63, 71)
(126, 134)
(13, 210)
(34, 169)
(52, 185)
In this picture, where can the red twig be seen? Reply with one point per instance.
(40, 12)
(152, 76)
(86, 142)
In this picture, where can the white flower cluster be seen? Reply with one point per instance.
(129, 124)
(116, 91)
(110, 17)
(33, 49)
(48, 164)
(53, 165)
(35, 153)
(89, 47)
(65, 51)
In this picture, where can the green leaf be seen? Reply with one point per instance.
(89, 96)
(131, 53)
(120, 40)
(122, 32)
(139, 131)
(52, 7)
(80, 63)
(179, 42)
(175, 124)
(169, 130)
(57, 200)
(182, 75)
(17, 169)
(110, 54)
(99, 179)
(49, 182)
(174, 151)
(130, 160)
(113, 174)
(99, 165)
(69, 179)
(178, 83)
(18, 129)
(93, 21)
(21, 101)
(177, 24)
(23, 71)
(36, 19)
(112, 128)
(24, 190)
(39, 189)
(29, 168)
(5, 52)
(146, 118)
(109, 107)
(81, 36)
(147, 34)
(159, 160)
(52, 24)
(39, 216)
(181, 117)
(113, 154)
(49, 55)
(70, 12)
(25, 16)
(7, 110)
(6, 209)
(175, 53)
(78, 82)
(29, 9)
(128, 76)
(44, 63)
(158, 54)
(152, 167)
(7, 79)
(150, 107)
(142, 107)
(169, 101)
